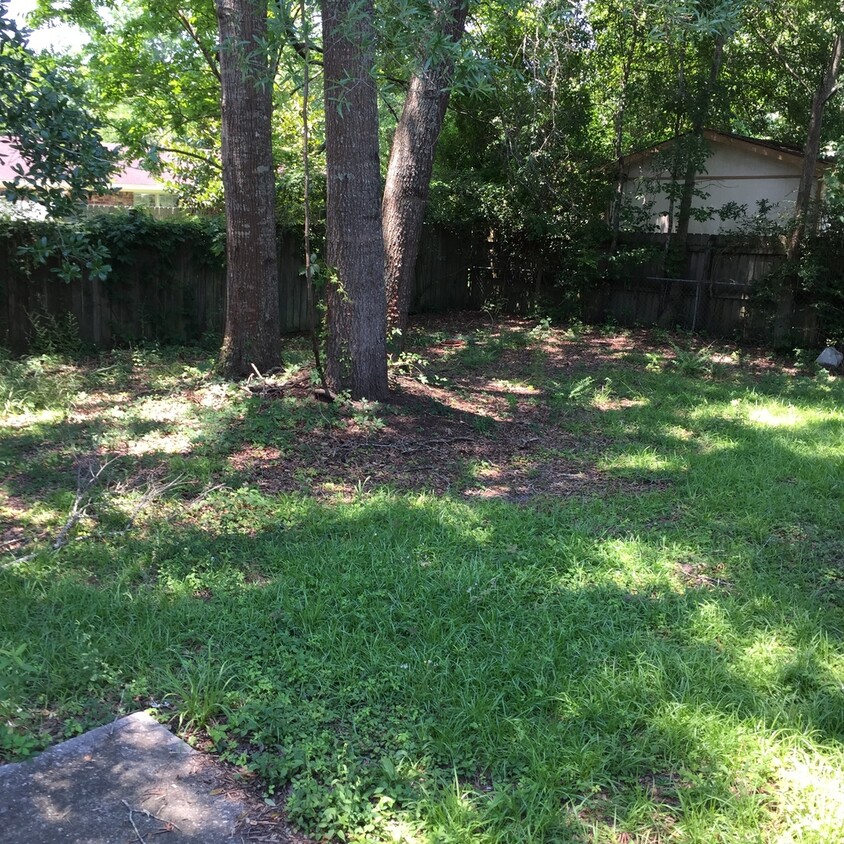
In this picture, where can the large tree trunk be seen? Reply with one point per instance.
(252, 315)
(824, 92)
(356, 349)
(410, 167)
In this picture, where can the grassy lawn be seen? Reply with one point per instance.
(571, 585)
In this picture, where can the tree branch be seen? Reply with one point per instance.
(772, 46)
(210, 58)
(188, 154)
(833, 70)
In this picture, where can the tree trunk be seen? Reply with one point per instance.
(410, 167)
(701, 118)
(621, 176)
(693, 165)
(356, 348)
(824, 92)
(252, 315)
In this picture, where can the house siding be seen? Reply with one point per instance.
(736, 172)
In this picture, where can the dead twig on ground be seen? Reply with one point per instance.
(132, 821)
(155, 489)
(79, 510)
(82, 503)
(264, 387)
(204, 494)
(169, 826)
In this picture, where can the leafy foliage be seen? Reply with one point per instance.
(93, 247)
(58, 140)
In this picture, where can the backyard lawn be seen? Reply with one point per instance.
(573, 584)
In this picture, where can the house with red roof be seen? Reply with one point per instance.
(134, 188)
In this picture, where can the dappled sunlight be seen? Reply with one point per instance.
(170, 409)
(764, 658)
(678, 432)
(710, 623)
(775, 417)
(216, 396)
(27, 419)
(811, 797)
(610, 403)
(646, 460)
(541, 597)
(160, 442)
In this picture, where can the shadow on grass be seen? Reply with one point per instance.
(643, 654)
(384, 647)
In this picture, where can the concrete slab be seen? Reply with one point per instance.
(129, 781)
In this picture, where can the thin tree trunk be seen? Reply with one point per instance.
(252, 315)
(306, 170)
(693, 165)
(619, 137)
(822, 95)
(679, 239)
(410, 167)
(356, 347)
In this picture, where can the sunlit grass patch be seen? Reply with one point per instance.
(643, 460)
(811, 808)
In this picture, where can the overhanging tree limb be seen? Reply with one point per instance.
(211, 60)
(824, 92)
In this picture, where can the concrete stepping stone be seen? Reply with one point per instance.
(129, 781)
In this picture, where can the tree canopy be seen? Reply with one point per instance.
(544, 97)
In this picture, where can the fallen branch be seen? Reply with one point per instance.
(169, 825)
(82, 502)
(154, 490)
(16, 561)
(204, 494)
(77, 511)
(269, 389)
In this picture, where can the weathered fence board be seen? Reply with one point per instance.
(714, 294)
(179, 297)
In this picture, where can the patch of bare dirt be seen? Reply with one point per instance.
(480, 430)
(698, 575)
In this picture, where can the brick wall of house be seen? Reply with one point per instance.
(121, 199)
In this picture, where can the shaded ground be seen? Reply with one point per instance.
(481, 409)
(452, 427)
(646, 647)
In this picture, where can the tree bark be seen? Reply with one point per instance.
(701, 118)
(356, 348)
(677, 241)
(252, 314)
(410, 167)
(827, 87)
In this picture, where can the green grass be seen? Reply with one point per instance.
(662, 659)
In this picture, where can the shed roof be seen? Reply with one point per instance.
(757, 146)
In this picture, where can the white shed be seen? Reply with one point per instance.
(741, 176)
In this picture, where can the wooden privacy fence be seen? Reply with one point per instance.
(713, 293)
(178, 296)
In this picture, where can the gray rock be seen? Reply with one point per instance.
(830, 357)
